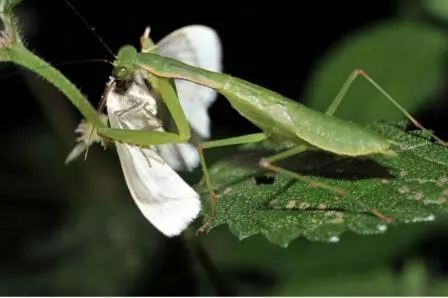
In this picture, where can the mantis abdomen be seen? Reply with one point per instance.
(278, 115)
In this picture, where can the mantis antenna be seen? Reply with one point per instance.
(92, 29)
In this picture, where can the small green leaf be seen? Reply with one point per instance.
(406, 58)
(411, 187)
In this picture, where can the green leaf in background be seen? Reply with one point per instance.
(411, 187)
(405, 58)
(438, 8)
(377, 282)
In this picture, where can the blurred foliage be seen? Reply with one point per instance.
(100, 249)
(407, 58)
(57, 244)
(438, 8)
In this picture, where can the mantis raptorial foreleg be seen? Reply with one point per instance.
(143, 137)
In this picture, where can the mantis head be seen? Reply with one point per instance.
(124, 65)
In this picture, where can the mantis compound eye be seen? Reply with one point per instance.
(120, 73)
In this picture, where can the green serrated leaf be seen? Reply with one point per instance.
(411, 187)
(406, 58)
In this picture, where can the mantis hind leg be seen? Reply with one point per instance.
(266, 163)
(346, 86)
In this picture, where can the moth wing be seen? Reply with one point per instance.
(179, 156)
(163, 197)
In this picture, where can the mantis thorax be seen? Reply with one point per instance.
(124, 65)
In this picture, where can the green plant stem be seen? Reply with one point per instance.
(18, 54)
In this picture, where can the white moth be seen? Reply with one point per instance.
(166, 200)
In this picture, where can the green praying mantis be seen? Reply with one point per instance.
(280, 119)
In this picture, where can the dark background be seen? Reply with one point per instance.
(53, 218)
(272, 45)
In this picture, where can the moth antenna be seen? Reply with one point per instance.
(106, 92)
(101, 106)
